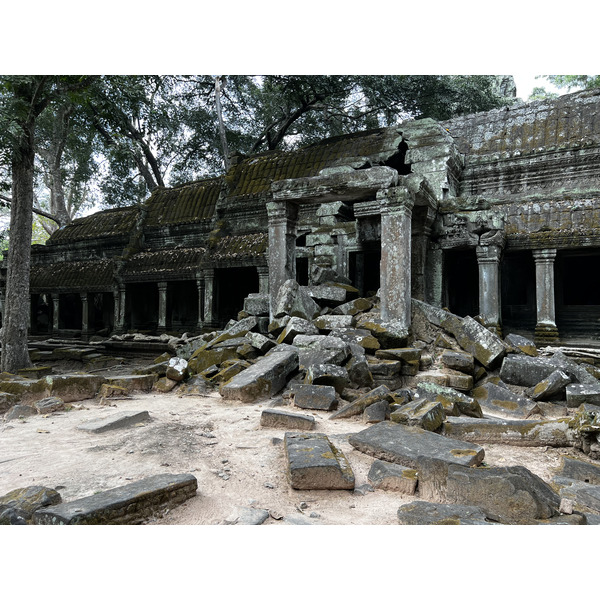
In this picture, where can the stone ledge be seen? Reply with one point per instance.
(127, 505)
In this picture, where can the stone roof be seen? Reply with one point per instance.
(164, 264)
(237, 247)
(92, 276)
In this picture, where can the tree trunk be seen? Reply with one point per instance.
(15, 353)
(222, 134)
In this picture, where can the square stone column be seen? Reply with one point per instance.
(200, 286)
(263, 279)
(396, 206)
(162, 306)
(488, 260)
(210, 317)
(116, 313)
(545, 329)
(55, 311)
(283, 219)
(85, 316)
(120, 305)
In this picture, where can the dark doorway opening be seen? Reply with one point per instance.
(302, 270)
(518, 293)
(141, 307)
(182, 305)
(461, 276)
(364, 269)
(231, 287)
(41, 313)
(70, 312)
(101, 313)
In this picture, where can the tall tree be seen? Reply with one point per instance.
(22, 100)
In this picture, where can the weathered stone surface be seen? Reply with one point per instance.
(580, 470)
(159, 369)
(384, 368)
(246, 515)
(388, 335)
(12, 516)
(263, 379)
(49, 405)
(115, 421)
(581, 393)
(259, 341)
(585, 496)
(325, 374)
(496, 401)
(453, 401)
(525, 371)
(556, 433)
(405, 355)
(512, 495)
(163, 385)
(361, 337)
(329, 323)
(276, 326)
(428, 513)
(228, 369)
(129, 504)
(285, 420)
(358, 406)
(133, 383)
(256, 304)
(315, 397)
(521, 344)
(459, 381)
(420, 413)
(296, 326)
(34, 372)
(203, 358)
(29, 499)
(354, 307)
(388, 476)
(25, 390)
(577, 373)
(177, 369)
(293, 300)
(403, 445)
(375, 413)
(359, 371)
(554, 385)
(327, 295)
(236, 330)
(7, 401)
(74, 387)
(314, 463)
(459, 361)
(20, 411)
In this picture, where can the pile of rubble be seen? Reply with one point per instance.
(429, 399)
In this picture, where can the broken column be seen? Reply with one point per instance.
(263, 279)
(283, 218)
(545, 329)
(488, 260)
(162, 306)
(395, 288)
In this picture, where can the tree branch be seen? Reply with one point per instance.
(37, 211)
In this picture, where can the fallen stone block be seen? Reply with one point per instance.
(388, 476)
(521, 344)
(73, 387)
(296, 326)
(386, 369)
(7, 401)
(403, 445)
(246, 515)
(134, 383)
(458, 361)
(548, 410)
(405, 355)
(256, 304)
(325, 374)
(228, 369)
(34, 372)
(284, 420)
(581, 393)
(25, 390)
(327, 295)
(511, 495)
(356, 407)
(579, 470)
(453, 401)
(354, 307)
(433, 376)
(20, 411)
(177, 369)
(29, 499)
(388, 335)
(376, 412)
(585, 496)
(263, 379)
(556, 433)
(420, 413)
(238, 329)
(314, 463)
(361, 337)
(204, 358)
(115, 421)
(259, 341)
(459, 381)
(127, 505)
(329, 323)
(428, 513)
(293, 300)
(49, 405)
(315, 397)
(577, 373)
(159, 369)
(552, 386)
(163, 385)
(496, 401)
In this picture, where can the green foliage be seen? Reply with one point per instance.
(570, 82)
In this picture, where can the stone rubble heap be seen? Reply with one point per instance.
(430, 401)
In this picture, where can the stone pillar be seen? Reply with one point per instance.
(421, 232)
(85, 333)
(200, 286)
(396, 206)
(121, 321)
(263, 279)
(545, 329)
(115, 310)
(210, 318)
(283, 218)
(488, 260)
(434, 276)
(55, 311)
(162, 306)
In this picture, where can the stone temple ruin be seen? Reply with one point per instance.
(419, 276)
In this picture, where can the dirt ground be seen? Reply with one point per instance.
(237, 462)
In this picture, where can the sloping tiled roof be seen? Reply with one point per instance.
(92, 275)
(164, 263)
(187, 203)
(235, 247)
(106, 223)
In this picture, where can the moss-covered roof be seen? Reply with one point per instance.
(238, 247)
(187, 203)
(253, 176)
(106, 223)
(77, 276)
(164, 263)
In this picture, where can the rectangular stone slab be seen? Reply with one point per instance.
(284, 420)
(128, 504)
(403, 445)
(316, 464)
(115, 421)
